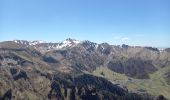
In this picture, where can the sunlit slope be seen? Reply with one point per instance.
(156, 85)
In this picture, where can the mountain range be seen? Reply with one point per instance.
(83, 70)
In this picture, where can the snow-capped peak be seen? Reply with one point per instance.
(71, 41)
(67, 43)
(45, 46)
(24, 42)
(36, 42)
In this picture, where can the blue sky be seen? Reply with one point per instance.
(133, 22)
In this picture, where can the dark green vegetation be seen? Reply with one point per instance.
(86, 71)
(167, 77)
(156, 85)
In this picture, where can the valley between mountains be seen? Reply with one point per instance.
(82, 70)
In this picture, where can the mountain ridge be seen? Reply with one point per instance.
(29, 64)
(71, 42)
(73, 39)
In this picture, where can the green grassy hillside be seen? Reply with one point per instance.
(156, 85)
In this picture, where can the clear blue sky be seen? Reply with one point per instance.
(133, 22)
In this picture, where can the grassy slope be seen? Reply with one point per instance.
(156, 85)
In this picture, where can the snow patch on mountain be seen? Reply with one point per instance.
(68, 43)
(29, 43)
(44, 46)
(36, 42)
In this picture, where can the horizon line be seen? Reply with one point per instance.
(46, 41)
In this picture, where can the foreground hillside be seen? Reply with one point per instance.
(156, 85)
(82, 70)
